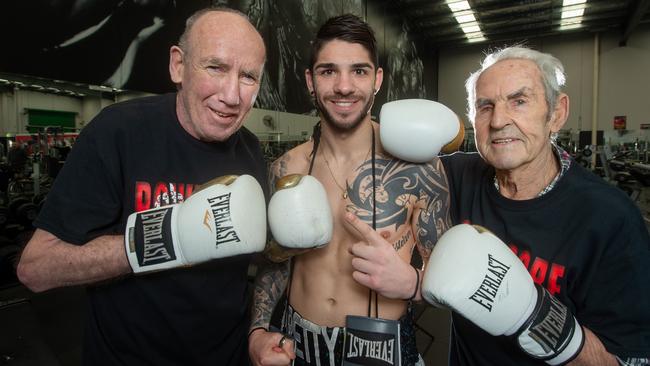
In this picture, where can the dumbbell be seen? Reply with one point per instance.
(23, 210)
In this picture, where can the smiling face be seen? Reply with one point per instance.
(511, 127)
(218, 75)
(343, 81)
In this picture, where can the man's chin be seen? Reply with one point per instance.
(344, 124)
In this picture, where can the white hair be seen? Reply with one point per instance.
(550, 67)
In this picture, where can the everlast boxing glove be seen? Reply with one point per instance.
(475, 274)
(299, 216)
(416, 130)
(224, 217)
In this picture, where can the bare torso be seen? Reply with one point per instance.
(408, 212)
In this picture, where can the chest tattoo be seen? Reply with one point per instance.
(399, 187)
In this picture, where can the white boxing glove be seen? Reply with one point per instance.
(223, 218)
(299, 216)
(475, 274)
(416, 130)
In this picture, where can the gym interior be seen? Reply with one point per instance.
(65, 61)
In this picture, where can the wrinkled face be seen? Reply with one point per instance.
(511, 127)
(343, 82)
(218, 75)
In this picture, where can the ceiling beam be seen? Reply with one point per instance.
(526, 22)
(534, 29)
(422, 13)
(634, 19)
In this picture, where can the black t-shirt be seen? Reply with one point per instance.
(134, 156)
(584, 241)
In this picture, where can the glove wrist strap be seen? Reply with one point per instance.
(551, 333)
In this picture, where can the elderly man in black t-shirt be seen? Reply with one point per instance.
(146, 154)
(581, 239)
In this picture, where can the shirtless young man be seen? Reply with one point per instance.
(331, 282)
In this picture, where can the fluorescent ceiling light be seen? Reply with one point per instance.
(576, 20)
(458, 5)
(572, 13)
(573, 2)
(464, 15)
(474, 35)
(465, 18)
(470, 28)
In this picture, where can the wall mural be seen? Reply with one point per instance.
(125, 44)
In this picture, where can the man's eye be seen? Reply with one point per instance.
(485, 108)
(327, 72)
(248, 79)
(360, 72)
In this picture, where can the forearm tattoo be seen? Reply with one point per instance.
(270, 283)
(399, 186)
(272, 278)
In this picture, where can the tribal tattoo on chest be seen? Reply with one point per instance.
(400, 188)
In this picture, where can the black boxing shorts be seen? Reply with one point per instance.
(316, 345)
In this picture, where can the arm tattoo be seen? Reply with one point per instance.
(271, 278)
(270, 283)
(278, 170)
(399, 185)
(435, 219)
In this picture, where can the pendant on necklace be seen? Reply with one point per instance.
(345, 195)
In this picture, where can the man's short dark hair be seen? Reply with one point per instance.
(348, 28)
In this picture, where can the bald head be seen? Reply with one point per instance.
(217, 69)
(233, 22)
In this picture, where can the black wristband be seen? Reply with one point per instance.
(256, 328)
(417, 284)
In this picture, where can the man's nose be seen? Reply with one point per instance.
(230, 89)
(344, 84)
(500, 116)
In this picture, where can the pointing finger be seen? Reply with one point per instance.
(370, 235)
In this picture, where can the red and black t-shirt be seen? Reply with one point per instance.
(584, 240)
(134, 156)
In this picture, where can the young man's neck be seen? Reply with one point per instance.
(347, 144)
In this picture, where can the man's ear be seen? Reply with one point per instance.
(379, 78)
(309, 81)
(560, 114)
(176, 64)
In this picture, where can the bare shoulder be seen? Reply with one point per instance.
(294, 161)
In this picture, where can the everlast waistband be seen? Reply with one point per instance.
(317, 345)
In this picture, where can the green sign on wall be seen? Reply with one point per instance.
(45, 118)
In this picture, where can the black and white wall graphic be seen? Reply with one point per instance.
(125, 44)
